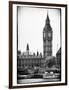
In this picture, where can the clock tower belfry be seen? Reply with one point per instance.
(47, 38)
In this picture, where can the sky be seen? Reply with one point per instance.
(31, 22)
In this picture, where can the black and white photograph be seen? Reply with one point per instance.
(38, 44)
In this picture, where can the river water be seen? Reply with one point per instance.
(26, 81)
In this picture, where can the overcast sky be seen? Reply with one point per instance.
(31, 22)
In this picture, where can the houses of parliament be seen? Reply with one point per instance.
(26, 59)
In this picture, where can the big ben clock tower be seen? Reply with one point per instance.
(47, 38)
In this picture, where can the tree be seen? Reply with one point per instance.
(51, 62)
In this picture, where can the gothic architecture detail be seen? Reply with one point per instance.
(27, 49)
(30, 59)
(47, 38)
(37, 65)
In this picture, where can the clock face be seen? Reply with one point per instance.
(49, 34)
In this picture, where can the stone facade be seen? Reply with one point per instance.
(26, 59)
(47, 38)
(58, 57)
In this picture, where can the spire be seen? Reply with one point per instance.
(47, 19)
(27, 48)
(47, 26)
(37, 53)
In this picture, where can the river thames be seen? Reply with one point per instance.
(26, 81)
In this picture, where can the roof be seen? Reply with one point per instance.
(47, 19)
(59, 51)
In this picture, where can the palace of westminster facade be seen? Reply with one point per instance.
(31, 60)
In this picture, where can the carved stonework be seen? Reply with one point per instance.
(47, 38)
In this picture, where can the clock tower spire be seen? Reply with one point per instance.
(47, 38)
